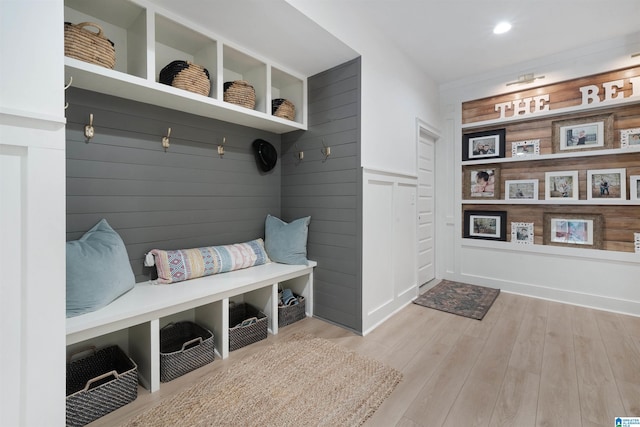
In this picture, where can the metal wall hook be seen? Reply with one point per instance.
(299, 154)
(165, 140)
(326, 151)
(89, 131)
(221, 147)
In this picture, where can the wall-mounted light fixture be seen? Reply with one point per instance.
(525, 79)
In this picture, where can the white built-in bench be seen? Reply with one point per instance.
(147, 307)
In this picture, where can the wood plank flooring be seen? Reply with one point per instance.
(529, 362)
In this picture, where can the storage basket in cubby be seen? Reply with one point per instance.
(241, 93)
(184, 346)
(88, 46)
(98, 384)
(288, 314)
(283, 108)
(240, 336)
(187, 76)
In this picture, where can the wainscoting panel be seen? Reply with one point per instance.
(389, 239)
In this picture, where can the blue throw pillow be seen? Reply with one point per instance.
(98, 270)
(286, 243)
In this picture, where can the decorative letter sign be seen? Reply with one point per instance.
(615, 86)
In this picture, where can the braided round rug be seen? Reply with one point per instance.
(299, 381)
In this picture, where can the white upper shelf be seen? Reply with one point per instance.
(147, 38)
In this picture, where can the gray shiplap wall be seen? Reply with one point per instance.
(185, 197)
(330, 191)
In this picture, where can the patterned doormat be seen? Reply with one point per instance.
(459, 298)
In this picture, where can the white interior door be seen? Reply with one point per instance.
(426, 205)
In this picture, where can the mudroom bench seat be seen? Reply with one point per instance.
(142, 311)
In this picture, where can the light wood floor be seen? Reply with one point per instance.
(529, 362)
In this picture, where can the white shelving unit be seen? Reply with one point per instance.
(542, 162)
(147, 38)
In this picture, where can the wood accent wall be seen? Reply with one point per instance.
(186, 197)
(330, 191)
(561, 95)
(620, 220)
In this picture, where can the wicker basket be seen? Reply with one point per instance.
(288, 314)
(99, 384)
(241, 93)
(283, 108)
(88, 46)
(240, 336)
(184, 346)
(187, 76)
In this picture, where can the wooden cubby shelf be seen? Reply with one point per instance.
(147, 38)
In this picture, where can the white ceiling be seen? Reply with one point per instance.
(448, 39)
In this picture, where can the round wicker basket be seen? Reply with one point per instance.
(283, 108)
(88, 46)
(187, 76)
(241, 93)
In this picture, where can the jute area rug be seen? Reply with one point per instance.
(299, 381)
(459, 298)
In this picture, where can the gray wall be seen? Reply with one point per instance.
(185, 197)
(330, 191)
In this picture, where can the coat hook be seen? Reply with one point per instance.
(67, 86)
(325, 150)
(300, 153)
(221, 147)
(89, 131)
(165, 140)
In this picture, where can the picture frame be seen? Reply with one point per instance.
(630, 138)
(607, 184)
(634, 187)
(483, 145)
(522, 233)
(525, 148)
(561, 185)
(521, 189)
(573, 230)
(487, 225)
(585, 133)
(481, 183)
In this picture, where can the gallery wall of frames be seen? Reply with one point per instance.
(555, 165)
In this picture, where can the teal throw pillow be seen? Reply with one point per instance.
(286, 243)
(98, 270)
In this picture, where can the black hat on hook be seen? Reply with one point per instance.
(266, 154)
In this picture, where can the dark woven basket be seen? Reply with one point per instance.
(99, 384)
(240, 336)
(187, 76)
(288, 314)
(283, 108)
(241, 93)
(184, 346)
(88, 46)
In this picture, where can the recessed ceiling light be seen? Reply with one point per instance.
(501, 28)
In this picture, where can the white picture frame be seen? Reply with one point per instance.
(521, 189)
(630, 138)
(607, 184)
(561, 185)
(634, 187)
(522, 233)
(582, 135)
(525, 148)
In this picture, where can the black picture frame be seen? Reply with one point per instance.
(495, 139)
(486, 225)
